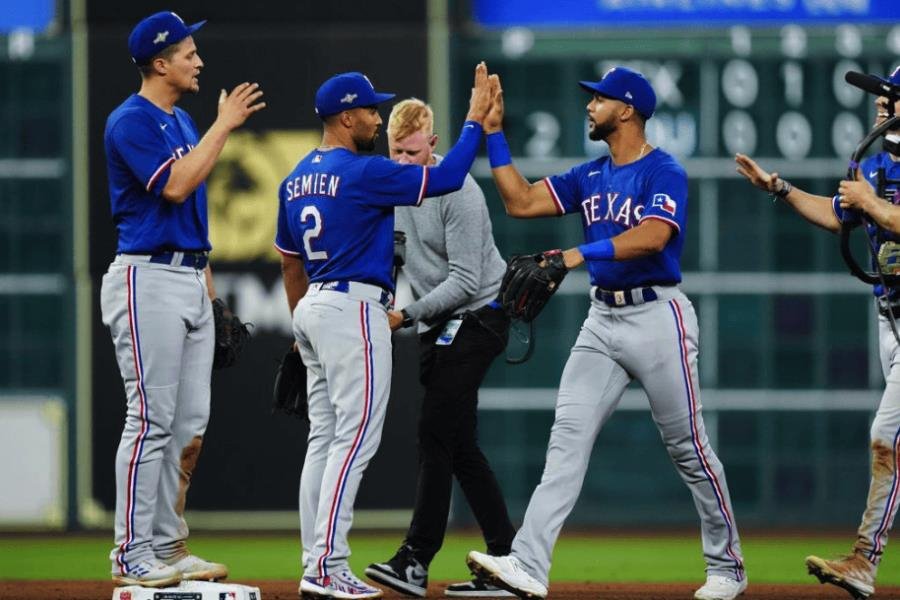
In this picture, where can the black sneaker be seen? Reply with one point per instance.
(477, 588)
(403, 573)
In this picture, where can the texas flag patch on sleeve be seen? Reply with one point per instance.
(664, 202)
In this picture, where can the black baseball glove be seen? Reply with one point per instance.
(289, 395)
(529, 282)
(231, 335)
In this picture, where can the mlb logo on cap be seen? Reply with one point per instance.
(625, 85)
(156, 33)
(345, 91)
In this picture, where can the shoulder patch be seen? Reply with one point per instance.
(665, 202)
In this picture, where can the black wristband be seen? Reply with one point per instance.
(407, 321)
(782, 192)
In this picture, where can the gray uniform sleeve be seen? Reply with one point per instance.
(463, 214)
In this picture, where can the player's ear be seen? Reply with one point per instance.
(160, 65)
(346, 118)
(432, 141)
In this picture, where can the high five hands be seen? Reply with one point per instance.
(485, 93)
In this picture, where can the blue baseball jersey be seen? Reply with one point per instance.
(613, 199)
(869, 170)
(142, 141)
(336, 211)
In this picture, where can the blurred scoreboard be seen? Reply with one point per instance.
(769, 92)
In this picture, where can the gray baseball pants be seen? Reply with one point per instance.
(656, 344)
(160, 319)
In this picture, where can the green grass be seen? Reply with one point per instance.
(612, 558)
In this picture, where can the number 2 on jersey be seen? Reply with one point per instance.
(312, 233)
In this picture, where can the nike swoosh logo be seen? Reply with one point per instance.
(469, 126)
(873, 173)
(592, 173)
(162, 125)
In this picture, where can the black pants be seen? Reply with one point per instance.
(448, 435)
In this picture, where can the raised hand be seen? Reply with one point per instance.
(480, 101)
(493, 122)
(747, 167)
(235, 108)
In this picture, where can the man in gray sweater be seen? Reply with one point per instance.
(454, 270)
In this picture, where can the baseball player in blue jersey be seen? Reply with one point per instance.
(156, 297)
(856, 572)
(633, 205)
(336, 235)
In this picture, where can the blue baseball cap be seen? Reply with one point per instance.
(156, 33)
(345, 91)
(630, 87)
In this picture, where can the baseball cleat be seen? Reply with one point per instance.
(718, 587)
(149, 574)
(343, 585)
(477, 588)
(853, 573)
(506, 572)
(403, 573)
(194, 568)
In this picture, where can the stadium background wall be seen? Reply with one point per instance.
(788, 358)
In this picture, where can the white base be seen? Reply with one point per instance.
(189, 590)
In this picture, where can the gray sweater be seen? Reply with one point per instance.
(452, 263)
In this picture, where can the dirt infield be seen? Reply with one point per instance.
(287, 590)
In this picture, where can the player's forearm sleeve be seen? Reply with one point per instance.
(451, 173)
(599, 250)
(498, 150)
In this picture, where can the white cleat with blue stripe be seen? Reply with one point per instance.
(343, 585)
(149, 574)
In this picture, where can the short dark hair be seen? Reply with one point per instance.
(166, 53)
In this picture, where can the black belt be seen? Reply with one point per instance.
(197, 260)
(617, 298)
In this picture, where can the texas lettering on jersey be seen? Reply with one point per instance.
(611, 206)
(612, 199)
(180, 151)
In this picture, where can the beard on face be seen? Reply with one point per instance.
(600, 131)
(367, 144)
